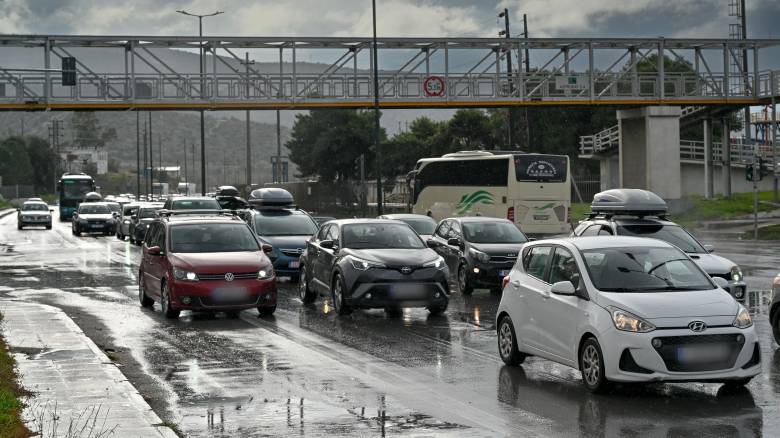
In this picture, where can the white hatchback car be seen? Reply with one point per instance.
(624, 309)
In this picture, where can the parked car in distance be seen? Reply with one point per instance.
(140, 221)
(277, 222)
(480, 250)
(322, 219)
(93, 217)
(373, 263)
(423, 225)
(624, 309)
(639, 213)
(191, 203)
(774, 308)
(205, 263)
(33, 213)
(125, 219)
(115, 207)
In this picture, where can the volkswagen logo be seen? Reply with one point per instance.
(697, 326)
(229, 276)
(406, 270)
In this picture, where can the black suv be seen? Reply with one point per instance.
(481, 250)
(372, 263)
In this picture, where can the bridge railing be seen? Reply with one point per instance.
(613, 87)
(693, 150)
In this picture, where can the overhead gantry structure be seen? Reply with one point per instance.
(413, 73)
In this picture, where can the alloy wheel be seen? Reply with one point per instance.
(302, 285)
(505, 339)
(591, 365)
(337, 292)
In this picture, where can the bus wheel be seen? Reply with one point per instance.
(463, 280)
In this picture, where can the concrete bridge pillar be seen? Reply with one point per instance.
(610, 172)
(708, 171)
(725, 151)
(650, 150)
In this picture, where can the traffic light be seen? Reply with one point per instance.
(763, 168)
(749, 172)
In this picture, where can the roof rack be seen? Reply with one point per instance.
(628, 202)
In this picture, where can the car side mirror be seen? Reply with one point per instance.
(18, 209)
(267, 248)
(454, 241)
(563, 288)
(432, 243)
(720, 282)
(51, 210)
(709, 248)
(532, 239)
(155, 251)
(329, 244)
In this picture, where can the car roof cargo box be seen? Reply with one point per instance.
(93, 197)
(633, 202)
(227, 191)
(271, 197)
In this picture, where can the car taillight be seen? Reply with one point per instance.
(510, 214)
(504, 282)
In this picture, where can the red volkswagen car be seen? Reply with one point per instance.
(207, 261)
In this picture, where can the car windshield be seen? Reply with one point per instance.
(146, 213)
(195, 204)
(492, 232)
(668, 233)
(380, 235)
(93, 209)
(644, 269)
(285, 224)
(130, 210)
(191, 238)
(35, 207)
(420, 225)
(114, 207)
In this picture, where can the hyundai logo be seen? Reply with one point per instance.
(229, 276)
(406, 270)
(697, 326)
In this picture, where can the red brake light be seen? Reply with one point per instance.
(504, 282)
(510, 214)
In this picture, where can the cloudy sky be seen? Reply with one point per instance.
(627, 18)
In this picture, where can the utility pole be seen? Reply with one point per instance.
(151, 155)
(146, 163)
(377, 152)
(186, 174)
(510, 113)
(246, 63)
(137, 154)
(278, 165)
(746, 76)
(527, 71)
(202, 92)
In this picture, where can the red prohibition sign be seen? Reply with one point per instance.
(433, 86)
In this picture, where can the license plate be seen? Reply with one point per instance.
(408, 291)
(702, 353)
(229, 294)
(541, 217)
(503, 273)
(96, 226)
(294, 264)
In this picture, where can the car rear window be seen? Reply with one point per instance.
(196, 204)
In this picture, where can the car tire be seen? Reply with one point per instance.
(437, 309)
(295, 278)
(736, 383)
(463, 280)
(48, 227)
(776, 326)
(507, 343)
(306, 295)
(496, 290)
(339, 301)
(266, 311)
(76, 231)
(119, 236)
(19, 226)
(592, 366)
(142, 297)
(167, 306)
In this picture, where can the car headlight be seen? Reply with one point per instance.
(438, 263)
(181, 274)
(743, 319)
(265, 273)
(363, 265)
(736, 273)
(479, 255)
(82, 221)
(628, 322)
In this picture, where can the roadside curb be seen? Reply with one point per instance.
(69, 371)
(6, 212)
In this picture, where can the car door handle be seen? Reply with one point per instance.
(515, 283)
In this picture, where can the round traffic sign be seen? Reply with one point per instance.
(433, 86)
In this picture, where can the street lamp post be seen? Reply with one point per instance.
(377, 152)
(247, 63)
(202, 86)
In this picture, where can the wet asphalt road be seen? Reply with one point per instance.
(308, 372)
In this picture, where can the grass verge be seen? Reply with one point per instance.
(11, 424)
(772, 232)
(5, 204)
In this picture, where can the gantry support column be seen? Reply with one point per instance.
(708, 171)
(650, 150)
(726, 156)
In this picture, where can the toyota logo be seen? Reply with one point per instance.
(406, 270)
(229, 276)
(697, 326)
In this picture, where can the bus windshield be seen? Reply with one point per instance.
(75, 188)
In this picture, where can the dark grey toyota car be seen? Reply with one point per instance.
(373, 263)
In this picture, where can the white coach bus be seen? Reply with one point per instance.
(532, 190)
